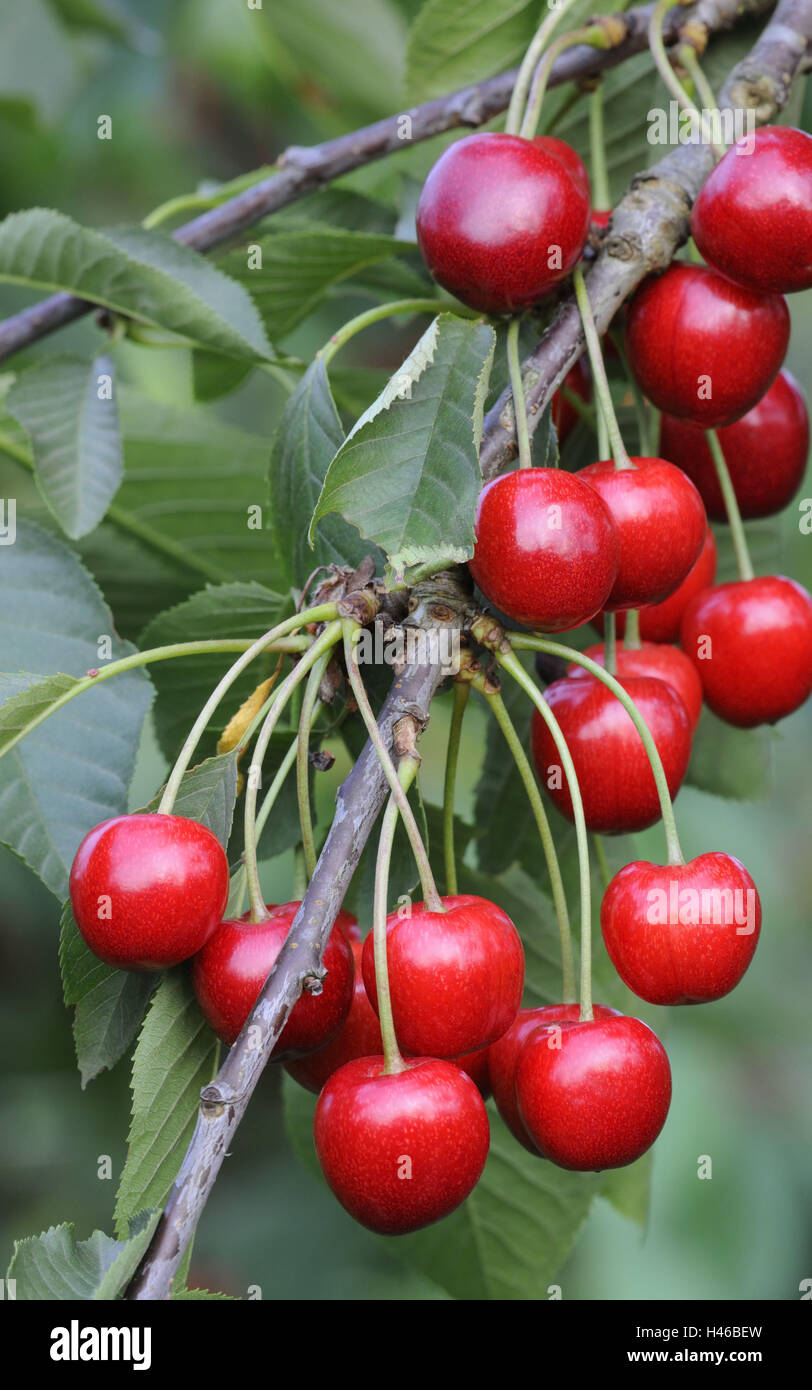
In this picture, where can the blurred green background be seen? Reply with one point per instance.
(205, 90)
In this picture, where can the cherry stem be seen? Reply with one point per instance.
(268, 803)
(385, 311)
(667, 73)
(322, 644)
(529, 62)
(498, 709)
(525, 642)
(689, 59)
(517, 387)
(610, 643)
(430, 895)
(599, 377)
(592, 34)
(324, 612)
(306, 715)
(601, 196)
(603, 862)
(461, 693)
(734, 516)
(631, 638)
(392, 1059)
(507, 659)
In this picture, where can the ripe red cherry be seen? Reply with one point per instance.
(594, 1095)
(656, 659)
(455, 977)
(661, 523)
(403, 1150)
(682, 934)
(616, 781)
(765, 452)
(230, 971)
(501, 221)
(569, 157)
(147, 891)
(601, 217)
(660, 622)
(753, 217)
(547, 549)
(704, 348)
(564, 415)
(751, 642)
(360, 1036)
(504, 1054)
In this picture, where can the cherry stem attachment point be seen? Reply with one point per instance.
(461, 693)
(517, 387)
(430, 895)
(525, 642)
(599, 377)
(743, 562)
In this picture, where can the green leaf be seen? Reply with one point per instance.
(135, 271)
(454, 42)
(288, 273)
(58, 1267)
(335, 207)
(194, 1295)
(121, 1271)
(71, 417)
(408, 474)
(207, 793)
(74, 771)
(24, 710)
(183, 686)
(355, 49)
(629, 1189)
(734, 763)
(109, 1003)
(308, 436)
(173, 1061)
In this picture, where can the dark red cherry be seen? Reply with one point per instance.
(661, 523)
(359, 1036)
(547, 548)
(593, 1095)
(401, 1151)
(455, 977)
(685, 933)
(147, 891)
(504, 1054)
(501, 221)
(765, 452)
(751, 642)
(617, 785)
(230, 971)
(658, 659)
(703, 348)
(569, 157)
(753, 218)
(660, 622)
(564, 415)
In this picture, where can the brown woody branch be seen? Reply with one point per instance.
(303, 170)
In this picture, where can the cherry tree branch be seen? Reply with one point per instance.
(359, 801)
(649, 224)
(302, 170)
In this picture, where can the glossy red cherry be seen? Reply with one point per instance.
(504, 1054)
(547, 549)
(564, 415)
(616, 781)
(660, 622)
(658, 659)
(703, 348)
(147, 891)
(569, 157)
(753, 218)
(685, 933)
(230, 971)
(501, 221)
(601, 217)
(594, 1095)
(765, 451)
(751, 642)
(360, 1036)
(661, 523)
(455, 977)
(403, 1150)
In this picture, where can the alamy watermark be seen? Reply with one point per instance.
(694, 907)
(672, 125)
(399, 646)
